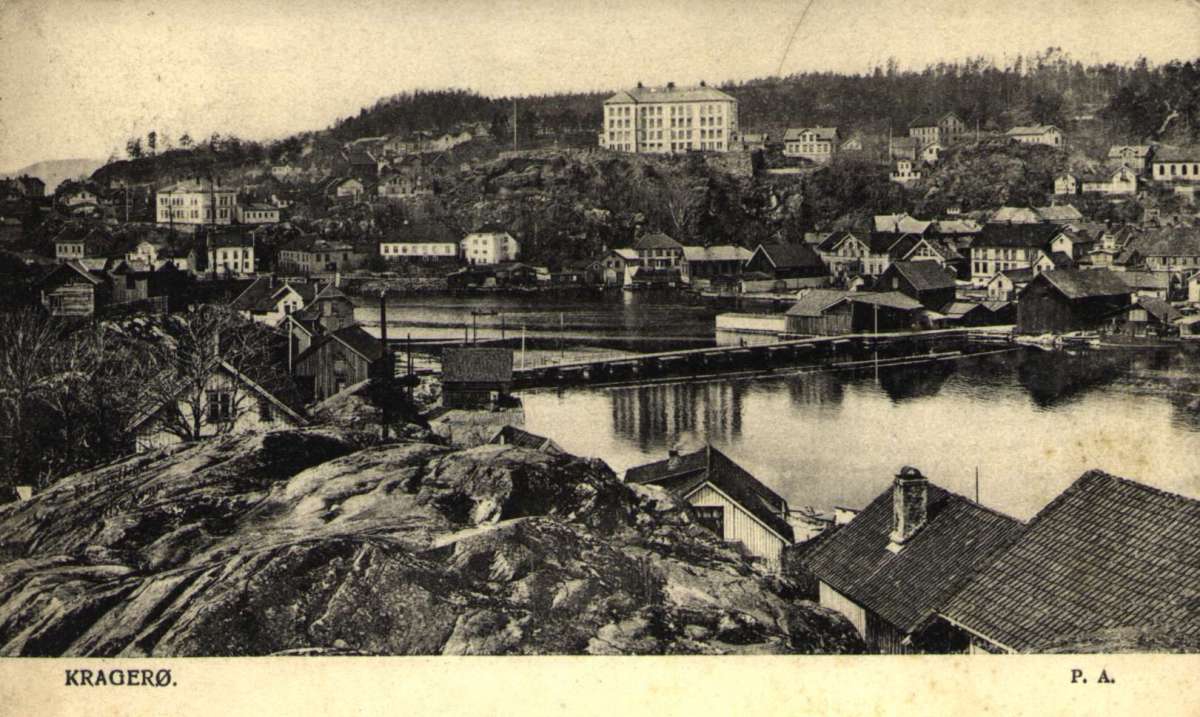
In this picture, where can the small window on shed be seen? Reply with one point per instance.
(713, 518)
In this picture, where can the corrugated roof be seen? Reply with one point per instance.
(1107, 553)
(688, 472)
(648, 95)
(1083, 284)
(958, 538)
(477, 365)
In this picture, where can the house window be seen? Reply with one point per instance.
(264, 410)
(712, 517)
(220, 406)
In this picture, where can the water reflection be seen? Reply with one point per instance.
(648, 415)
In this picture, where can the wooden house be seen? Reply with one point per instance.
(232, 403)
(341, 358)
(267, 300)
(1108, 559)
(704, 264)
(1148, 316)
(1071, 300)
(617, 265)
(1007, 285)
(1121, 180)
(476, 378)
(786, 261)
(71, 289)
(727, 499)
(925, 281)
(903, 558)
(1066, 183)
(330, 308)
(831, 312)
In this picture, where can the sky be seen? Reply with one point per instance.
(79, 77)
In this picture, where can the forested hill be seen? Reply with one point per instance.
(1134, 100)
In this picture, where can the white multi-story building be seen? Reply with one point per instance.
(196, 202)
(814, 143)
(666, 120)
(489, 245)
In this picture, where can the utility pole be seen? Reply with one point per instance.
(522, 345)
(514, 124)
(388, 370)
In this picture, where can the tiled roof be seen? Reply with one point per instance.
(669, 94)
(656, 240)
(924, 275)
(1107, 553)
(791, 256)
(687, 472)
(1033, 236)
(958, 538)
(1083, 284)
(476, 365)
(725, 252)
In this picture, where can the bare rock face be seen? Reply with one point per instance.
(315, 542)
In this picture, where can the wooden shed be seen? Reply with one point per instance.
(340, 359)
(1062, 301)
(474, 378)
(70, 289)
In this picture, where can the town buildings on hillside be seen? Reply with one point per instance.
(816, 144)
(196, 202)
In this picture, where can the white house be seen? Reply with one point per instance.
(905, 171)
(258, 214)
(726, 498)
(817, 144)
(1176, 164)
(1066, 183)
(232, 403)
(1046, 134)
(231, 255)
(666, 120)
(269, 302)
(1193, 288)
(195, 202)
(1121, 180)
(489, 244)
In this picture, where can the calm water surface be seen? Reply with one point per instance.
(1031, 422)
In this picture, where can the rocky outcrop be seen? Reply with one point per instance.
(317, 542)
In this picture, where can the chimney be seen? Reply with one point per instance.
(670, 85)
(910, 495)
(702, 83)
(672, 457)
(639, 86)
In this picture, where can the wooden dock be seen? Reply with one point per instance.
(732, 359)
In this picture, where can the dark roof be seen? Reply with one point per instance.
(1177, 154)
(906, 588)
(513, 436)
(1160, 309)
(231, 239)
(476, 365)
(421, 233)
(1106, 553)
(1086, 283)
(359, 341)
(1062, 260)
(657, 240)
(1016, 235)
(264, 293)
(814, 302)
(924, 275)
(831, 242)
(1169, 241)
(791, 256)
(685, 473)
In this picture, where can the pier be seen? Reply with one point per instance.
(812, 350)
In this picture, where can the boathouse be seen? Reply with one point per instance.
(924, 281)
(341, 358)
(727, 499)
(828, 312)
(1071, 300)
(901, 560)
(475, 378)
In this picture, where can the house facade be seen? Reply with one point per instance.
(1133, 156)
(945, 130)
(489, 245)
(658, 251)
(1066, 183)
(340, 359)
(670, 119)
(924, 281)
(1063, 301)
(1048, 135)
(905, 171)
(1121, 180)
(1176, 164)
(72, 290)
(816, 144)
(1000, 247)
(312, 255)
(727, 500)
(702, 265)
(258, 214)
(231, 255)
(475, 378)
(196, 202)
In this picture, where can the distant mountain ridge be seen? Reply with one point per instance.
(54, 171)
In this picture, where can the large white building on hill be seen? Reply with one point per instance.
(667, 120)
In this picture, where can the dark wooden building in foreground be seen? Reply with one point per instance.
(475, 378)
(341, 359)
(1062, 301)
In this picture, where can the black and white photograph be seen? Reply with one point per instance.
(786, 328)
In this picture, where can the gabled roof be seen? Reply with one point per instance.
(421, 233)
(1023, 130)
(1014, 215)
(1177, 154)
(924, 275)
(626, 254)
(686, 473)
(669, 94)
(724, 252)
(75, 266)
(956, 226)
(959, 309)
(815, 302)
(476, 365)
(1169, 241)
(264, 294)
(1034, 236)
(512, 436)
(907, 588)
(656, 240)
(827, 134)
(1107, 553)
(834, 240)
(191, 186)
(900, 224)
(353, 337)
(1119, 150)
(1153, 280)
(791, 256)
(1159, 309)
(1058, 213)
(889, 299)
(1084, 284)
(231, 239)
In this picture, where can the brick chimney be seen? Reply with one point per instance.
(910, 495)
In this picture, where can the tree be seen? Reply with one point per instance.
(133, 148)
(200, 386)
(185, 140)
(152, 142)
